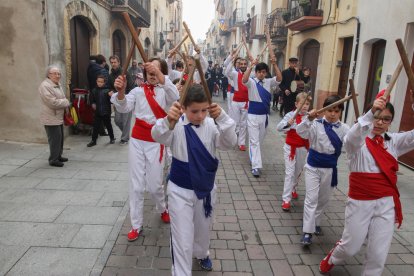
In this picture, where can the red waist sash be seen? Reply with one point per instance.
(295, 141)
(142, 131)
(371, 186)
(242, 94)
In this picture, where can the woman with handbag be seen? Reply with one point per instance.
(54, 104)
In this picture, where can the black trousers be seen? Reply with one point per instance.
(98, 120)
(55, 140)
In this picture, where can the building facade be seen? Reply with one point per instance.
(66, 33)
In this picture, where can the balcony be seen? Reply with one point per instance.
(238, 18)
(257, 28)
(138, 9)
(277, 26)
(300, 19)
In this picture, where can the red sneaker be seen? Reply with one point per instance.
(324, 265)
(294, 195)
(286, 206)
(133, 234)
(165, 217)
(242, 148)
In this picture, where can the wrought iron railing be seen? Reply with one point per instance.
(141, 7)
(276, 24)
(298, 12)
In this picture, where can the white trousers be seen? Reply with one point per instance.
(239, 113)
(256, 126)
(293, 170)
(190, 229)
(145, 173)
(318, 193)
(229, 100)
(371, 219)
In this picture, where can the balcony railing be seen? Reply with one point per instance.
(303, 18)
(139, 9)
(257, 29)
(276, 24)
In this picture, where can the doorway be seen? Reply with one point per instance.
(346, 61)
(119, 45)
(80, 52)
(310, 59)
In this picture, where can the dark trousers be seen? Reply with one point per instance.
(98, 120)
(55, 140)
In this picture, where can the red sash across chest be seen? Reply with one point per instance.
(241, 95)
(142, 129)
(371, 186)
(294, 140)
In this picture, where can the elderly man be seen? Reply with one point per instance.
(134, 70)
(288, 75)
(54, 103)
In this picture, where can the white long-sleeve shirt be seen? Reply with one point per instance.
(282, 125)
(135, 100)
(318, 139)
(359, 157)
(221, 136)
(254, 93)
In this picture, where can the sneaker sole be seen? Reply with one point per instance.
(286, 210)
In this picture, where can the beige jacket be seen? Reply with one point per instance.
(54, 103)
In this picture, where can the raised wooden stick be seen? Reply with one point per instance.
(354, 97)
(178, 45)
(406, 63)
(391, 84)
(187, 84)
(332, 105)
(129, 57)
(203, 79)
(185, 50)
(262, 52)
(135, 36)
(190, 36)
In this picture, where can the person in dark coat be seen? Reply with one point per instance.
(100, 100)
(96, 67)
(288, 75)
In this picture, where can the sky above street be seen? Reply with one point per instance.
(198, 15)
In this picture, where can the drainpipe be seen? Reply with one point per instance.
(356, 47)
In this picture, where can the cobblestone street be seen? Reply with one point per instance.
(252, 235)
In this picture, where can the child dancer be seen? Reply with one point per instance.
(259, 107)
(373, 200)
(325, 138)
(145, 158)
(295, 149)
(191, 188)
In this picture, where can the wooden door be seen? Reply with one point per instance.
(407, 123)
(118, 45)
(310, 59)
(80, 52)
(346, 61)
(375, 71)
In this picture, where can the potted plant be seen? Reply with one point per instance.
(306, 6)
(286, 16)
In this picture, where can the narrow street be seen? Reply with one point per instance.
(74, 220)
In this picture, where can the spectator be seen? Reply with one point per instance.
(122, 120)
(134, 70)
(96, 67)
(54, 103)
(288, 75)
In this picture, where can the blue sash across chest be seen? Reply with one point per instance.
(323, 160)
(260, 108)
(199, 172)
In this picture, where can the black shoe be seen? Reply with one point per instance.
(112, 141)
(103, 134)
(91, 144)
(56, 164)
(63, 159)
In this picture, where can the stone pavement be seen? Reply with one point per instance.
(74, 220)
(251, 234)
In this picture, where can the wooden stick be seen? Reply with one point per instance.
(332, 105)
(178, 45)
(354, 97)
(203, 79)
(406, 63)
(262, 52)
(135, 36)
(187, 84)
(185, 49)
(391, 84)
(190, 36)
(130, 53)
